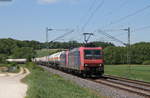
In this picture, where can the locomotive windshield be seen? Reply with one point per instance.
(92, 54)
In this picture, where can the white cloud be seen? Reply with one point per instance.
(47, 1)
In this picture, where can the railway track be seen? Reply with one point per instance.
(133, 86)
(128, 80)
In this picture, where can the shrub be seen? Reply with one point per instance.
(147, 62)
(32, 65)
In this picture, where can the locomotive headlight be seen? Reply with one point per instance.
(100, 64)
(85, 65)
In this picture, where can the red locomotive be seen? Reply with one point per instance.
(82, 60)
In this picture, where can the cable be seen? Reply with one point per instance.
(118, 8)
(59, 37)
(90, 9)
(141, 28)
(92, 14)
(130, 15)
(111, 37)
(102, 39)
(86, 14)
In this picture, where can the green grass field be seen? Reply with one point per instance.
(45, 52)
(138, 72)
(43, 84)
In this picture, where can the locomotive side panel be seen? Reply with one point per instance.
(74, 59)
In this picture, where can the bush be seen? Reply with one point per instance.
(32, 65)
(12, 67)
(3, 58)
(147, 62)
(13, 64)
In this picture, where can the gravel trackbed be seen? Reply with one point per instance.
(104, 90)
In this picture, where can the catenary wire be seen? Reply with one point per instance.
(130, 15)
(92, 14)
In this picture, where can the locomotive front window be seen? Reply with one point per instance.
(92, 54)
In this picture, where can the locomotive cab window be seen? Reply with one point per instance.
(92, 54)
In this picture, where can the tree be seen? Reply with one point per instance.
(3, 58)
(24, 52)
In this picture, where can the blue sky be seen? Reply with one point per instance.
(27, 19)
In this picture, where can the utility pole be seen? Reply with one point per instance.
(126, 44)
(87, 37)
(128, 48)
(47, 45)
(47, 37)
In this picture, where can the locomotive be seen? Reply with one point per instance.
(86, 61)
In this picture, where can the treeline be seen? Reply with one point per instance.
(11, 48)
(139, 54)
(74, 44)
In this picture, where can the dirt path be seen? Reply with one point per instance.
(11, 86)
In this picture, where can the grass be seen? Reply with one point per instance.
(43, 84)
(138, 72)
(3, 65)
(45, 52)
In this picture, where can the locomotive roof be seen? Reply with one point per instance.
(76, 49)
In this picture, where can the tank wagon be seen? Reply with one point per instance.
(20, 61)
(54, 59)
(82, 60)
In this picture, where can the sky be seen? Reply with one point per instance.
(28, 19)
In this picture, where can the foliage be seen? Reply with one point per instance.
(100, 44)
(139, 52)
(6, 45)
(10, 67)
(147, 62)
(75, 44)
(13, 67)
(31, 65)
(64, 45)
(17, 49)
(24, 52)
(43, 84)
(3, 58)
(11, 48)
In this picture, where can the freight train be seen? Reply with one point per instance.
(86, 61)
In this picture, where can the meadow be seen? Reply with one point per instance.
(45, 52)
(43, 84)
(137, 72)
